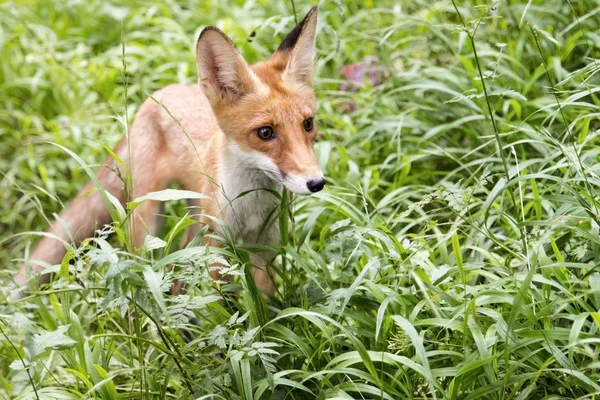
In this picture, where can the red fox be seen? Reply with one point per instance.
(243, 129)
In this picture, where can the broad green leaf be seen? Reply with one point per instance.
(166, 195)
(55, 340)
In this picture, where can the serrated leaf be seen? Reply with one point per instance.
(154, 280)
(17, 365)
(152, 243)
(55, 339)
(233, 318)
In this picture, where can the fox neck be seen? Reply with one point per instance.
(246, 188)
(241, 171)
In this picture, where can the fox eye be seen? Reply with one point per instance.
(265, 133)
(308, 124)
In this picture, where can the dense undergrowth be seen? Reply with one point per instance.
(454, 253)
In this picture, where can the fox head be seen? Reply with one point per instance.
(266, 110)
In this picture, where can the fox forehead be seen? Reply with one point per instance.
(280, 98)
(275, 109)
(276, 101)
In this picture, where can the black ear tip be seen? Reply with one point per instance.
(314, 10)
(290, 40)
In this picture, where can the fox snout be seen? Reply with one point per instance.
(304, 184)
(315, 185)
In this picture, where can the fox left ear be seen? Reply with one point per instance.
(300, 44)
(222, 72)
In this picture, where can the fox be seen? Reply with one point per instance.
(241, 133)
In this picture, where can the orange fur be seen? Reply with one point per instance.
(219, 154)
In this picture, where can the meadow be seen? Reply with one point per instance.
(454, 253)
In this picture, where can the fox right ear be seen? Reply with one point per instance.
(223, 73)
(299, 49)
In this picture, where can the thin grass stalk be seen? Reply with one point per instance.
(22, 362)
(566, 122)
(168, 343)
(504, 164)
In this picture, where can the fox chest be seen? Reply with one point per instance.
(250, 211)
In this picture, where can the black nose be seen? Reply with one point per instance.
(315, 185)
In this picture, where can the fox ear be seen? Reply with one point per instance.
(223, 73)
(300, 44)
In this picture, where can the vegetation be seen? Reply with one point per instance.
(453, 254)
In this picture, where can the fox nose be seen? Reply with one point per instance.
(315, 185)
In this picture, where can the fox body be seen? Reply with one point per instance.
(241, 133)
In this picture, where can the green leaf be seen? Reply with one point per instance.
(153, 243)
(417, 342)
(55, 340)
(166, 195)
(155, 283)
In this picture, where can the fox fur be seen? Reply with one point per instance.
(206, 138)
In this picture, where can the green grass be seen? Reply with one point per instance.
(453, 254)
